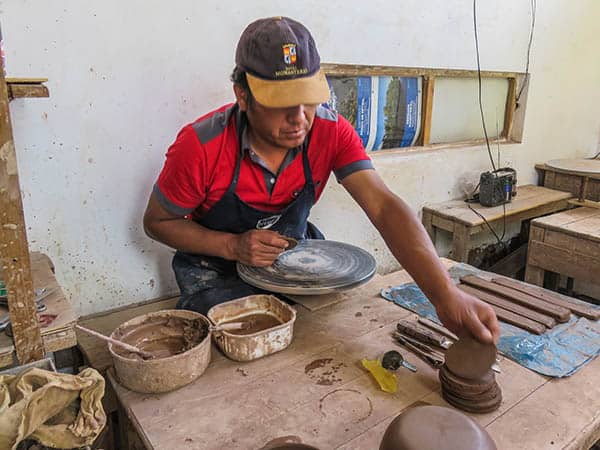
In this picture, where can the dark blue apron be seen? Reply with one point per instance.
(206, 281)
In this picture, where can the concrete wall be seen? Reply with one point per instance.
(124, 76)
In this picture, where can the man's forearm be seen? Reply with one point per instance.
(190, 237)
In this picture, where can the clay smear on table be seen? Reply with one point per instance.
(253, 323)
(163, 336)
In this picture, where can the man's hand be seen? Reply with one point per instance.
(257, 247)
(461, 311)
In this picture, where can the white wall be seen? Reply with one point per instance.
(125, 75)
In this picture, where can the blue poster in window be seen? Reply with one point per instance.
(384, 111)
(363, 108)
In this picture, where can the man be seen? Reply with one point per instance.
(241, 177)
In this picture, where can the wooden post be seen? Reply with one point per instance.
(534, 274)
(428, 86)
(428, 224)
(14, 251)
(460, 243)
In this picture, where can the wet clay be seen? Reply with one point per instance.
(469, 358)
(253, 323)
(476, 396)
(163, 337)
(435, 428)
(324, 371)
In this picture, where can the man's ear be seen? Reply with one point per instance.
(241, 96)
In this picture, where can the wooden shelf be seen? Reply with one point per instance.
(26, 88)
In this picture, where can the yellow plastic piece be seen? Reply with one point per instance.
(386, 379)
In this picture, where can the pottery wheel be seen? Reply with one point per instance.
(313, 267)
(576, 166)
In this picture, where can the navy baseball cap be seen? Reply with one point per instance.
(282, 63)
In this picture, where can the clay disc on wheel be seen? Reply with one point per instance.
(313, 267)
(469, 358)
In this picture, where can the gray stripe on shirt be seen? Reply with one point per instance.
(168, 204)
(363, 164)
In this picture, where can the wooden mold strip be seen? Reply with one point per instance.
(551, 297)
(496, 300)
(558, 312)
(517, 320)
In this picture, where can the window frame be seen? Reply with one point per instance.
(512, 132)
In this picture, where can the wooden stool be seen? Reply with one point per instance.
(567, 243)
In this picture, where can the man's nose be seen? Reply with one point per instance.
(295, 114)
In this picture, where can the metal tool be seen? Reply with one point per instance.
(40, 294)
(423, 334)
(435, 327)
(433, 361)
(393, 360)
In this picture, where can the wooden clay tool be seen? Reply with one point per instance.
(123, 345)
(518, 321)
(231, 326)
(496, 300)
(429, 358)
(423, 334)
(558, 312)
(551, 297)
(435, 327)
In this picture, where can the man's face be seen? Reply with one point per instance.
(283, 128)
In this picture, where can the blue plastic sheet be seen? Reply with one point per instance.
(559, 352)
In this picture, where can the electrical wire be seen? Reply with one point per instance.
(498, 238)
(473, 196)
(487, 140)
(533, 4)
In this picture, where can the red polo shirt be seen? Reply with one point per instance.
(201, 162)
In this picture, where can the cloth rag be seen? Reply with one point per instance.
(56, 409)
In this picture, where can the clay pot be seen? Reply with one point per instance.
(435, 428)
(162, 374)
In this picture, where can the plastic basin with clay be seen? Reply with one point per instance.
(180, 341)
(249, 345)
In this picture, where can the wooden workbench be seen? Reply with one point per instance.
(456, 217)
(247, 405)
(564, 180)
(567, 243)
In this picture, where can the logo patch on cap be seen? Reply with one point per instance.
(289, 54)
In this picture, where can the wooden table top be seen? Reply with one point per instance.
(579, 222)
(579, 166)
(529, 197)
(316, 392)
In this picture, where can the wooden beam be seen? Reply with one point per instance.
(15, 80)
(14, 252)
(353, 70)
(428, 87)
(25, 90)
(511, 106)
